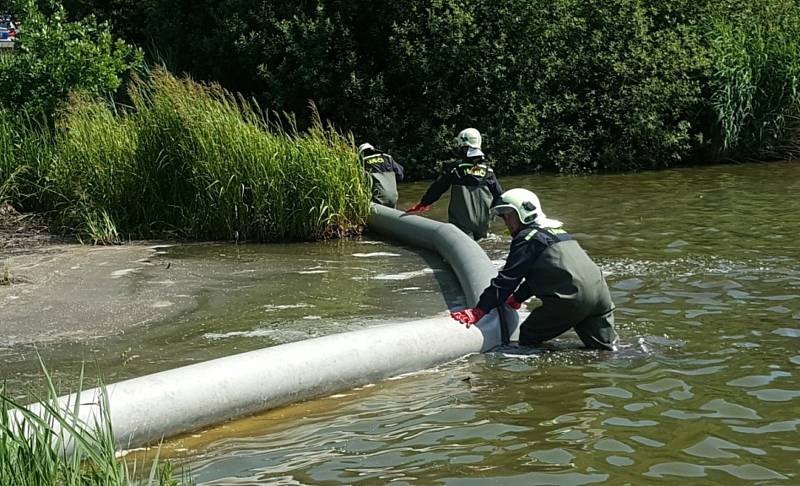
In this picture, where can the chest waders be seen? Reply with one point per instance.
(469, 209)
(574, 294)
(384, 188)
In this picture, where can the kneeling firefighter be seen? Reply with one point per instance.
(474, 187)
(384, 173)
(546, 262)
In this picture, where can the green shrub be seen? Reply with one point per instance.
(563, 85)
(53, 58)
(558, 85)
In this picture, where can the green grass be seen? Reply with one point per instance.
(55, 447)
(755, 81)
(185, 160)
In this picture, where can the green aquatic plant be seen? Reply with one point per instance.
(8, 163)
(225, 169)
(100, 227)
(187, 160)
(51, 445)
(755, 81)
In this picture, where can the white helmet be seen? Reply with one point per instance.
(527, 206)
(469, 137)
(364, 147)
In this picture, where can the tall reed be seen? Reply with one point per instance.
(229, 170)
(755, 80)
(189, 160)
(55, 447)
(8, 163)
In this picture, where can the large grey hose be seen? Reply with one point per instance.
(146, 409)
(465, 256)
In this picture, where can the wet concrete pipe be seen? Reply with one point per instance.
(146, 409)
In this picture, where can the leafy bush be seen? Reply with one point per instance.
(559, 85)
(53, 58)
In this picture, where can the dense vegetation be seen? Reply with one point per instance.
(186, 160)
(56, 57)
(179, 158)
(561, 85)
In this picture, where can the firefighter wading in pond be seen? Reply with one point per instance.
(384, 172)
(546, 262)
(473, 187)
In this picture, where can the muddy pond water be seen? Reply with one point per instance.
(704, 267)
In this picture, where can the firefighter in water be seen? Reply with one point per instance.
(473, 187)
(384, 171)
(546, 262)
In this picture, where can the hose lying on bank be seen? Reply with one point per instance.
(146, 409)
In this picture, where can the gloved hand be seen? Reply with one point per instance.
(468, 316)
(513, 303)
(418, 208)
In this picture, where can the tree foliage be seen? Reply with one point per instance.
(562, 85)
(54, 57)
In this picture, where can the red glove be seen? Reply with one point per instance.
(468, 316)
(513, 303)
(418, 208)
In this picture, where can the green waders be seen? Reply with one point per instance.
(384, 188)
(469, 209)
(574, 294)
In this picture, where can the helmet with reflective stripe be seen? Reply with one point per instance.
(364, 147)
(527, 206)
(469, 137)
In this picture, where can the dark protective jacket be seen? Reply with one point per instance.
(549, 264)
(474, 187)
(384, 173)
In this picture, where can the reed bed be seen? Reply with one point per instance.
(186, 160)
(32, 448)
(755, 81)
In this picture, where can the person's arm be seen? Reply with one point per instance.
(500, 290)
(398, 170)
(523, 293)
(434, 192)
(508, 278)
(438, 187)
(494, 185)
(502, 286)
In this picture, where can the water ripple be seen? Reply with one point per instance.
(716, 448)
(775, 395)
(783, 426)
(747, 472)
(787, 332)
(758, 380)
(624, 422)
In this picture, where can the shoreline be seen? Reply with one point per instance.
(25, 232)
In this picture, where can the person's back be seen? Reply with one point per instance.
(473, 186)
(472, 190)
(572, 289)
(384, 173)
(565, 270)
